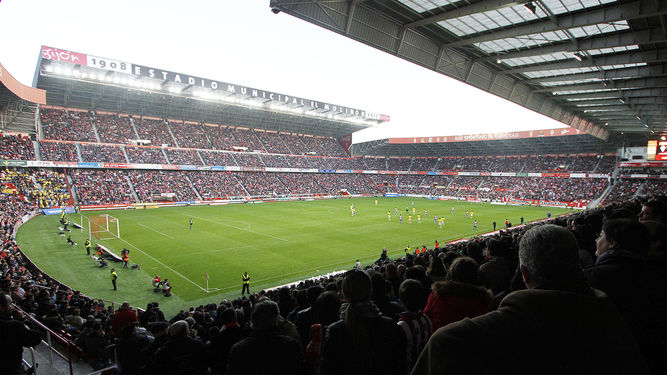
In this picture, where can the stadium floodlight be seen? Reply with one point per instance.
(49, 69)
(59, 70)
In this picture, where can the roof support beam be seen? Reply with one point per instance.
(648, 92)
(629, 38)
(618, 84)
(628, 11)
(639, 71)
(654, 56)
(479, 7)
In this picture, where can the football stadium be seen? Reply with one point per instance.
(160, 219)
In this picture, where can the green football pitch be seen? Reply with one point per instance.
(276, 243)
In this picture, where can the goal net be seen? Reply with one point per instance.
(104, 227)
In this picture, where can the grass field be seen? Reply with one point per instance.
(276, 243)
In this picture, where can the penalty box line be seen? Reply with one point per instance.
(157, 261)
(237, 228)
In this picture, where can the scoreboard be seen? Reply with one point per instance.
(656, 150)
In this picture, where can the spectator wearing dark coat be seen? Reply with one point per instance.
(279, 354)
(365, 342)
(497, 271)
(559, 325)
(230, 333)
(14, 336)
(622, 272)
(181, 354)
(131, 350)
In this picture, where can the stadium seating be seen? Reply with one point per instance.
(95, 187)
(145, 155)
(16, 148)
(57, 151)
(70, 313)
(67, 125)
(102, 153)
(114, 129)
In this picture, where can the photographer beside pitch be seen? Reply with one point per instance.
(559, 325)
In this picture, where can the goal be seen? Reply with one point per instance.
(104, 227)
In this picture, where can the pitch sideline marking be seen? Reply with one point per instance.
(156, 231)
(237, 228)
(164, 265)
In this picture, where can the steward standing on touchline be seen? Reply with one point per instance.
(246, 283)
(114, 276)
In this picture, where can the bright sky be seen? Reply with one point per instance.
(243, 42)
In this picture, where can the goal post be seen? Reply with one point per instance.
(104, 227)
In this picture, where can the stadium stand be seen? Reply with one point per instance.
(81, 318)
(154, 130)
(58, 151)
(147, 183)
(16, 147)
(145, 154)
(96, 187)
(67, 125)
(102, 153)
(114, 129)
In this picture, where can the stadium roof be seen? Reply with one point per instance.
(77, 80)
(534, 142)
(18, 104)
(596, 65)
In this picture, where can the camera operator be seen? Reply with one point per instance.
(14, 335)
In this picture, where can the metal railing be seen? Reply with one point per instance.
(50, 338)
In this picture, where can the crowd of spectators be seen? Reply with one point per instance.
(263, 183)
(91, 152)
(299, 162)
(216, 185)
(145, 154)
(190, 135)
(58, 151)
(156, 131)
(93, 187)
(114, 129)
(653, 187)
(399, 164)
(248, 159)
(246, 138)
(623, 189)
(273, 160)
(375, 164)
(398, 315)
(218, 158)
(183, 156)
(13, 147)
(222, 138)
(67, 125)
(272, 142)
(149, 183)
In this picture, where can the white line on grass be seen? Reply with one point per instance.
(231, 226)
(209, 251)
(164, 265)
(156, 231)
